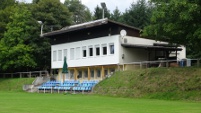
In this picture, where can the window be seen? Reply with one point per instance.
(65, 53)
(77, 52)
(90, 50)
(79, 76)
(112, 70)
(92, 73)
(97, 48)
(111, 48)
(106, 72)
(54, 55)
(60, 55)
(85, 74)
(71, 74)
(72, 54)
(98, 73)
(84, 51)
(104, 49)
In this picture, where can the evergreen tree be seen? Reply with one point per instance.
(80, 12)
(138, 15)
(99, 12)
(116, 15)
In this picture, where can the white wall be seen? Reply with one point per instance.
(134, 55)
(130, 55)
(89, 60)
(180, 54)
(137, 55)
(139, 41)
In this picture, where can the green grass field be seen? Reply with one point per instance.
(177, 88)
(20, 102)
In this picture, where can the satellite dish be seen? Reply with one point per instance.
(123, 33)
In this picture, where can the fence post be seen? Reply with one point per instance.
(146, 64)
(198, 62)
(140, 65)
(20, 75)
(167, 64)
(40, 74)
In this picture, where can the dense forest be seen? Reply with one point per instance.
(22, 48)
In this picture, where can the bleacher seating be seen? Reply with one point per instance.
(70, 85)
(48, 85)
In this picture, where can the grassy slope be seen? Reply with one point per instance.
(14, 84)
(158, 83)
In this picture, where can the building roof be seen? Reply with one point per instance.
(85, 26)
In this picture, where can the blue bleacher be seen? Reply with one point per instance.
(68, 85)
(85, 86)
(48, 85)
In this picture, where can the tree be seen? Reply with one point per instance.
(116, 15)
(21, 47)
(6, 3)
(4, 17)
(138, 15)
(80, 12)
(177, 22)
(5, 12)
(15, 54)
(54, 16)
(99, 12)
(35, 1)
(52, 13)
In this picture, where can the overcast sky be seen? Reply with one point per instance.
(111, 4)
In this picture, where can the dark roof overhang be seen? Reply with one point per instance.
(151, 47)
(85, 26)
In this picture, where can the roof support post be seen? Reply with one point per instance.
(102, 72)
(95, 73)
(83, 74)
(20, 75)
(75, 74)
(89, 74)
(198, 62)
(148, 55)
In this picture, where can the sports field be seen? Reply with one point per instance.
(20, 102)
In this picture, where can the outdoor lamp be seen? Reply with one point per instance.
(103, 5)
(41, 30)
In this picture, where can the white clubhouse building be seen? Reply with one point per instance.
(98, 48)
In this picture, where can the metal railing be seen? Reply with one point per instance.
(162, 63)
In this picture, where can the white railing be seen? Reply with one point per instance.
(163, 63)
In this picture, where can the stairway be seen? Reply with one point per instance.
(34, 86)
